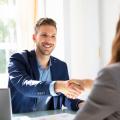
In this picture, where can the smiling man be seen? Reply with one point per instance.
(39, 81)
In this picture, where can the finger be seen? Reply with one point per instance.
(77, 88)
(71, 96)
(76, 81)
(88, 83)
(74, 92)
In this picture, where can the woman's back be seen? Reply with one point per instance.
(104, 101)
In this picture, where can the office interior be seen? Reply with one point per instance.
(85, 32)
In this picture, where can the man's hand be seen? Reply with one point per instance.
(69, 89)
(85, 83)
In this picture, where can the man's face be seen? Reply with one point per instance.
(45, 39)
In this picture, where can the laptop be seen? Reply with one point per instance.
(5, 104)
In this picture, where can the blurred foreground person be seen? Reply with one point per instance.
(103, 102)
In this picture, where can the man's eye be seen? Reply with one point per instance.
(43, 35)
(53, 36)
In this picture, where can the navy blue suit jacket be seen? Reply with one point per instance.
(25, 85)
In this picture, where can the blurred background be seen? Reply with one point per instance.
(86, 29)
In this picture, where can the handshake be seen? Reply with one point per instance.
(73, 88)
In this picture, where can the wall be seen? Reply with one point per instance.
(25, 24)
(89, 31)
(83, 46)
(109, 14)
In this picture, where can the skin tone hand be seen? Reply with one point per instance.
(85, 83)
(70, 90)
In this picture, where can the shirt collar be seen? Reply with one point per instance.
(49, 64)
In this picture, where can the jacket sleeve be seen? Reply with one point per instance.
(21, 78)
(72, 104)
(102, 101)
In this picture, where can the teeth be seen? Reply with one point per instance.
(47, 46)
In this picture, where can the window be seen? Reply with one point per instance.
(16, 29)
(8, 39)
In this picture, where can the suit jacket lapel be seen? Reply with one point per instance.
(53, 68)
(34, 66)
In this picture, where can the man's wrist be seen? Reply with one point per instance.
(59, 86)
(52, 89)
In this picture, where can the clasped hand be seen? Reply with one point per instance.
(72, 88)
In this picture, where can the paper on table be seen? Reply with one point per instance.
(61, 116)
(22, 118)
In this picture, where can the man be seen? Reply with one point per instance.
(39, 81)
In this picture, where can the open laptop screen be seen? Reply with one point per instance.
(5, 104)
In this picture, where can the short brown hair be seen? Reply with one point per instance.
(44, 21)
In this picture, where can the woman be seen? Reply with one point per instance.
(103, 102)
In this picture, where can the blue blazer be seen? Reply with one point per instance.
(25, 85)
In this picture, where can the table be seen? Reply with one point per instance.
(45, 114)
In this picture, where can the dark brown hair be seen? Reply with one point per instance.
(44, 21)
(118, 26)
(115, 55)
